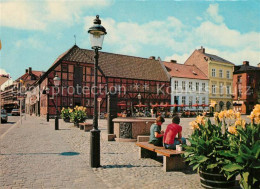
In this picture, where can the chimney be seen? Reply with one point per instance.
(26, 70)
(174, 61)
(30, 70)
(246, 63)
(152, 57)
(202, 49)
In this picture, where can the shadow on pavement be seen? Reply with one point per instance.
(125, 166)
(61, 154)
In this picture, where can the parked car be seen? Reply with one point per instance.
(4, 116)
(15, 112)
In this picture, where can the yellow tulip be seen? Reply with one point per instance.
(238, 115)
(232, 130)
(194, 125)
(221, 115)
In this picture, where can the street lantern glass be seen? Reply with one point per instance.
(139, 96)
(97, 33)
(56, 80)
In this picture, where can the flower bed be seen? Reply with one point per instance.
(229, 147)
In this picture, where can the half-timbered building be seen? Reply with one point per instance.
(127, 75)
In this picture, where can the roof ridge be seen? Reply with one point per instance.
(122, 55)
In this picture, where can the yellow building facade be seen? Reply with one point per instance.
(220, 84)
(220, 74)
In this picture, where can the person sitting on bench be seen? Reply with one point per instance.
(156, 135)
(171, 131)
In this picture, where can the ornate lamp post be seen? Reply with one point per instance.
(56, 81)
(139, 96)
(97, 33)
(46, 91)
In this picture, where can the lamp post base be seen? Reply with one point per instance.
(56, 123)
(95, 148)
(47, 117)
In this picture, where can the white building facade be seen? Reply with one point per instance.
(189, 86)
(189, 91)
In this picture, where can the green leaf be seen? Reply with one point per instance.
(212, 166)
(202, 159)
(195, 166)
(232, 167)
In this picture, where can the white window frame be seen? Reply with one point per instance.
(213, 89)
(221, 88)
(176, 85)
(197, 99)
(221, 73)
(190, 85)
(183, 99)
(197, 86)
(183, 85)
(228, 90)
(203, 87)
(203, 100)
(228, 74)
(213, 72)
(190, 100)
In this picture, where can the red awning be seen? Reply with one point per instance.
(195, 105)
(140, 105)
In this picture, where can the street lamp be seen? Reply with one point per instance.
(97, 33)
(56, 81)
(46, 91)
(139, 96)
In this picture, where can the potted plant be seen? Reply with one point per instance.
(205, 152)
(245, 149)
(65, 114)
(78, 115)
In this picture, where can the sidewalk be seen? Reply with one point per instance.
(31, 157)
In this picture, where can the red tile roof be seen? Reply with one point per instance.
(184, 71)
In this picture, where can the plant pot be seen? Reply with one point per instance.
(76, 124)
(67, 120)
(216, 180)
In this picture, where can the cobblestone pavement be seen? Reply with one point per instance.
(31, 158)
(4, 127)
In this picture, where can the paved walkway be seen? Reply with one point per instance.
(34, 156)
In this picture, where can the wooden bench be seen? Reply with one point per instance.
(85, 126)
(172, 160)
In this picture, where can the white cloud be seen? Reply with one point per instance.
(31, 42)
(37, 15)
(129, 36)
(212, 12)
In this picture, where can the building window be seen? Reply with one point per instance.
(190, 85)
(221, 88)
(175, 85)
(203, 87)
(213, 89)
(203, 100)
(228, 74)
(239, 79)
(197, 99)
(213, 72)
(220, 73)
(183, 100)
(228, 90)
(190, 101)
(183, 85)
(197, 86)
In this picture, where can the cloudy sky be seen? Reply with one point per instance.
(35, 32)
